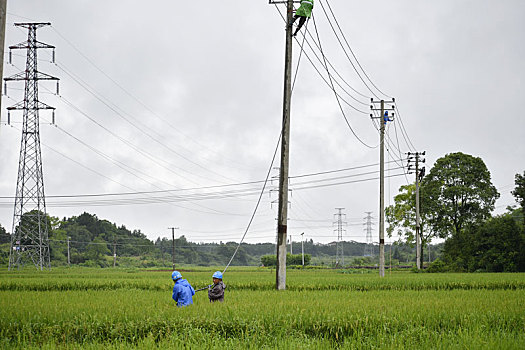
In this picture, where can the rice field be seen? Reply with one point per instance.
(321, 309)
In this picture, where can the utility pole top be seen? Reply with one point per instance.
(32, 24)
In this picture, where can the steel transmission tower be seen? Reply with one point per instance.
(339, 254)
(29, 240)
(369, 248)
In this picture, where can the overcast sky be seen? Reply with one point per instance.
(171, 95)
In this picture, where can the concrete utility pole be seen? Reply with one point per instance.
(173, 245)
(68, 260)
(383, 119)
(114, 252)
(419, 174)
(3, 11)
(302, 246)
(291, 247)
(282, 218)
(418, 238)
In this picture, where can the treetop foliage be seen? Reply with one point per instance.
(459, 192)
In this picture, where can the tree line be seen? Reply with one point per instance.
(457, 198)
(456, 202)
(93, 242)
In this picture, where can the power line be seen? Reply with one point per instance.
(335, 93)
(403, 130)
(133, 201)
(176, 199)
(330, 64)
(258, 202)
(146, 107)
(119, 112)
(214, 186)
(128, 143)
(346, 41)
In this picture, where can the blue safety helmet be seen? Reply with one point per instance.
(175, 275)
(217, 274)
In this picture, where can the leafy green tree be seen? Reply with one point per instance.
(5, 240)
(96, 252)
(4, 236)
(401, 216)
(492, 246)
(30, 222)
(269, 260)
(291, 259)
(519, 193)
(58, 247)
(459, 193)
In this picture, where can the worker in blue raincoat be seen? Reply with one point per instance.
(182, 290)
(304, 11)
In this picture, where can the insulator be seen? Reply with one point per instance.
(58, 91)
(53, 56)
(10, 56)
(8, 117)
(53, 118)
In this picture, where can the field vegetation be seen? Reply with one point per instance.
(117, 309)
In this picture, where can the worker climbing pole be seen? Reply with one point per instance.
(282, 215)
(304, 12)
(284, 140)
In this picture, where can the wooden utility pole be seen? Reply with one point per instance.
(282, 217)
(3, 11)
(173, 245)
(383, 119)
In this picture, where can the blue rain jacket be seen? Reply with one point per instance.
(183, 292)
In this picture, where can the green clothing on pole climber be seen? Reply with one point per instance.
(305, 10)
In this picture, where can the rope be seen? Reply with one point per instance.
(273, 160)
(257, 205)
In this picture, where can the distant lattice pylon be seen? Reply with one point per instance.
(339, 253)
(369, 248)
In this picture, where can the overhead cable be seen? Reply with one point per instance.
(333, 89)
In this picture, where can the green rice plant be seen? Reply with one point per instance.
(321, 309)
